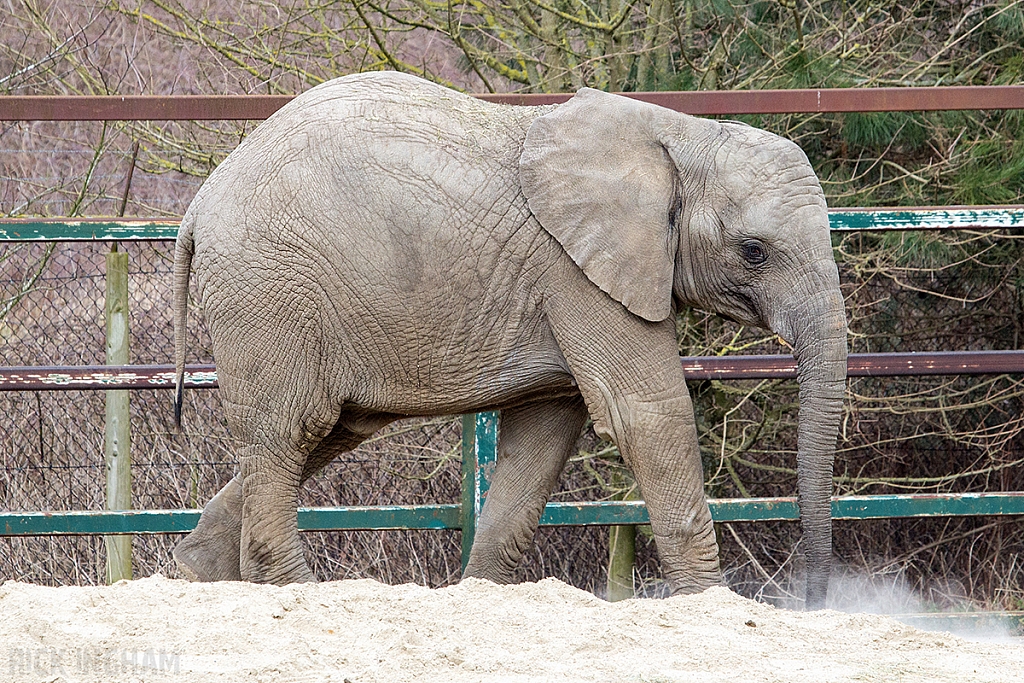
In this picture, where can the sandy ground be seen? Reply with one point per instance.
(158, 629)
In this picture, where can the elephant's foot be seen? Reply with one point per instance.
(261, 568)
(493, 564)
(693, 567)
(210, 552)
(197, 562)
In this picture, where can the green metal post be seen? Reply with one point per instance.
(117, 439)
(479, 453)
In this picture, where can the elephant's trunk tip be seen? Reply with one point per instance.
(178, 399)
(816, 594)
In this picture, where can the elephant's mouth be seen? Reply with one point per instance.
(742, 309)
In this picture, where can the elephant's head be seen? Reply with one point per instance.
(662, 210)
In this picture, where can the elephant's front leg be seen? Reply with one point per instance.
(658, 440)
(629, 373)
(534, 442)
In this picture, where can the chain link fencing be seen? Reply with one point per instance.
(52, 441)
(909, 291)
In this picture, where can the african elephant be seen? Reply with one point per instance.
(384, 247)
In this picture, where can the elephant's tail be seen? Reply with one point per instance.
(182, 269)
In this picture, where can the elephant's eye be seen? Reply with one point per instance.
(754, 252)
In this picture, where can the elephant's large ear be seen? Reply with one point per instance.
(598, 177)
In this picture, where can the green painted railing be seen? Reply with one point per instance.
(479, 454)
(450, 516)
(841, 220)
(87, 229)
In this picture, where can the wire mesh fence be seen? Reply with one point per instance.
(918, 434)
(904, 292)
(51, 442)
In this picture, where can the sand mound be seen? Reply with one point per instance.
(158, 629)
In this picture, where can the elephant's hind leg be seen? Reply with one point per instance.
(270, 550)
(534, 443)
(211, 551)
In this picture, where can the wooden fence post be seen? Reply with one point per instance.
(621, 552)
(117, 437)
(621, 558)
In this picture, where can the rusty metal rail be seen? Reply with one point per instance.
(42, 378)
(705, 102)
(810, 101)
(861, 365)
(104, 377)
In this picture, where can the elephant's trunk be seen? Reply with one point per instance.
(819, 330)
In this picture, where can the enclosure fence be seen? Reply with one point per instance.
(479, 434)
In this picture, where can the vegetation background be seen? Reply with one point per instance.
(910, 291)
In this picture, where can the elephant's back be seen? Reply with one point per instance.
(378, 207)
(363, 148)
(374, 115)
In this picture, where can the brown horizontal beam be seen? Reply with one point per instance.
(44, 378)
(140, 107)
(860, 365)
(708, 102)
(703, 367)
(809, 101)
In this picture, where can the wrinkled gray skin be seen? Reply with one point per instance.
(383, 247)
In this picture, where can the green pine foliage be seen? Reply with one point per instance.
(876, 131)
(993, 174)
